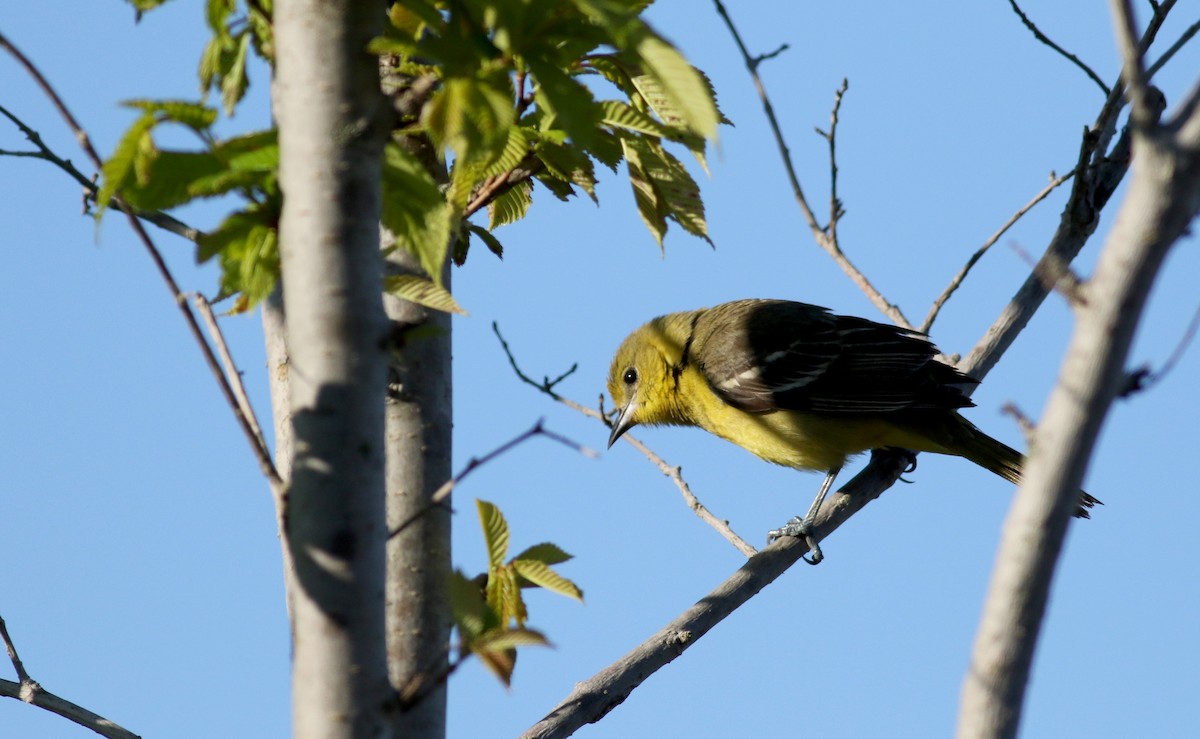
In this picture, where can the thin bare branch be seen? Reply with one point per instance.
(1172, 50)
(90, 190)
(547, 386)
(475, 463)
(966, 268)
(1037, 33)
(593, 698)
(824, 236)
(156, 257)
(30, 691)
(676, 474)
(242, 409)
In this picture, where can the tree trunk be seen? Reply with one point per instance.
(328, 106)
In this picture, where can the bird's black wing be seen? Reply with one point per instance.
(763, 355)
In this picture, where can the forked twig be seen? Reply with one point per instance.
(722, 527)
(826, 237)
(30, 691)
(475, 463)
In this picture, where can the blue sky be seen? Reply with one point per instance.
(141, 576)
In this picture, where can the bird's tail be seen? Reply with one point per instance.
(1001, 459)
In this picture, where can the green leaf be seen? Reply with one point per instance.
(422, 291)
(546, 553)
(663, 189)
(144, 5)
(570, 104)
(488, 238)
(119, 168)
(196, 116)
(414, 210)
(511, 638)
(673, 88)
(540, 574)
(650, 205)
(495, 533)
(568, 164)
(247, 244)
(510, 205)
(235, 81)
(470, 612)
(621, 115)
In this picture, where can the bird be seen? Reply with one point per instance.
(800, 386)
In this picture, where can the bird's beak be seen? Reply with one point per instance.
(624, 423)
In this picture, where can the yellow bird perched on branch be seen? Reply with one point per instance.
(801, 387)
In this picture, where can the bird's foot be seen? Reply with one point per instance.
(800, 528)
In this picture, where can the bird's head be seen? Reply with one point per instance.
(643, 379)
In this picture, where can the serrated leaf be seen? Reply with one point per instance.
(119, 168)
(568, 164)
(248, 247)
(649, 205)
(621, 115)
(569, 103)
(495, 533)
(540, 574)
(144, 5)
(663, 189)
(488, 238)
(683, 97)
(511, 155)
(510, 205)
(422, 291)
(545, 553)
(500, 662)
(414, 210)
(512, 638)
(504, 595)
(235, 81)
(197, 116)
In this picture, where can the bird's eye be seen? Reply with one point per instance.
(630, 376)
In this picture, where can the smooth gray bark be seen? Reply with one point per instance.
(328, 106)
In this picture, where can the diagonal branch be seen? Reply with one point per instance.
(957, 280)
(1037, 33)
(30, 691)
(160, 264)
(826, 237)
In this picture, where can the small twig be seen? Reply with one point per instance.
(966, 268)
(1151, 378)
(546, 385)
(242, 409)
(770, 55)
(90, 188)
(492, 187)
(1056, 276)
(1024, 422)
(721, 526)
(823, 236)
(1172, 50)
(476, 462)
(156, 257)
(1066, 54)
(676, 474)
(835, 203)
(27, 683)
(30, 691)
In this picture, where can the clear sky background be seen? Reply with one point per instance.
(141, 570)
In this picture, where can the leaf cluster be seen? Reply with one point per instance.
(489, 611)
(490, 97)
